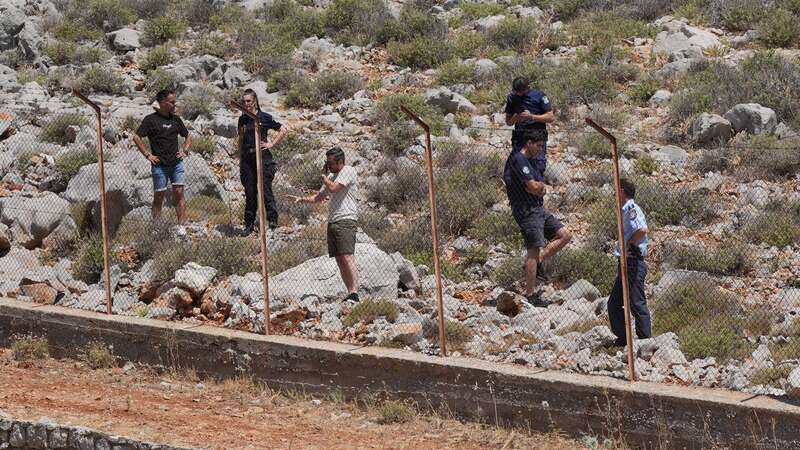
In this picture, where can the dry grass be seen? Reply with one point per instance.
(98, 356)
(29, 348)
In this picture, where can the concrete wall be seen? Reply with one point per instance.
(648, 413)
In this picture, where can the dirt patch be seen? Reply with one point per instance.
(179, 409)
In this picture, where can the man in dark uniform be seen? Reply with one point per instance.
(524, 179)
(527, 109)
(162, 129)
(635, 239)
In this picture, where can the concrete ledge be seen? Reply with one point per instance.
(648, 413)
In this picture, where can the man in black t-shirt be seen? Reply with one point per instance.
(524, 179)
(527, 109)
(166, 158)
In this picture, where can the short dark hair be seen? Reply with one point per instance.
(520, 84)
(163, 94)
(628, 187)
(336, 152)
(535, 136)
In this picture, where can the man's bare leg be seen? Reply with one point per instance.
(347, 269)
(180, 204)
(563, 236)
(158, 201)
(531, 258)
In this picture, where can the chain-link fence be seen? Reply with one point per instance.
(722, 277)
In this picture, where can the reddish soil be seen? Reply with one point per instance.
(178, 409)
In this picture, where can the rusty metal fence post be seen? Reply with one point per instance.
(623, 252)
(434, 227)
(262, 222)
(103, 217)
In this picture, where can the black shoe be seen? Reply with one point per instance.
(617, 343)
(352, 296)
(536, 301)
(273, 225)
(249, 229)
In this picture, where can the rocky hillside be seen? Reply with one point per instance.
(701, 95)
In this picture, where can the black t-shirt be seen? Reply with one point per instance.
(249, 137)
(518, 171)
(163, 135)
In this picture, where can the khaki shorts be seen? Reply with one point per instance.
(342, 237)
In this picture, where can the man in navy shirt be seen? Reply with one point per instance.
(527, 109)
(524, 179)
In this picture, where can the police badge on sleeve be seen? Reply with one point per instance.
(632, 214)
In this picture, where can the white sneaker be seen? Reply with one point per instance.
(180, 230)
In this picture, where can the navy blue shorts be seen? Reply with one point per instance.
(536, 225)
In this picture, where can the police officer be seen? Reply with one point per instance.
(527, 109)
(248, 174)
(635, 239)
(524, 179)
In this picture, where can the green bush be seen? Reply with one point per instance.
(779, 28)
(707, 320)
(594, 145)
(767, 157)
(214, 45)
(412, 22)
(461, 201)
(304, 173)
(641, 92)
(455, 71)
(513, 33)
(694, 10)
(420, 52)
(159, 79)
(607, 29)
(574, 83)
(508, 272)
(70, 53)
(497, 228)
(328, 88)
(356, 22)
(144, 235)
(394, 140)
(201, 102)
(295, 143)
(400, 188)
(159, 30)
(205, 146)
(730, 258)
(68, 164)
(73, 31)
(396, 411)
(198, 13)
(100, 79)
(156, 57)
(230, 256)
(646, 164)
(81, 215)
(106, 15)
(573, 264)
(715, 88)
(368, 310)
(388, 111)
(670, 205)
(147, 9)
(55, 130)
(741, 15)
(476, 10)
(777, 228)
(29, 348)
(88, 264)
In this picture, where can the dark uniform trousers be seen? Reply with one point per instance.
(249, 178)
(637, 270)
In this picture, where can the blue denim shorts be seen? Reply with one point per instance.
(164, 175)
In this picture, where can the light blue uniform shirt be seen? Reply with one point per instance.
(633, 220)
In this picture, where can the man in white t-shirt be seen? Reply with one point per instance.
(339, 182)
